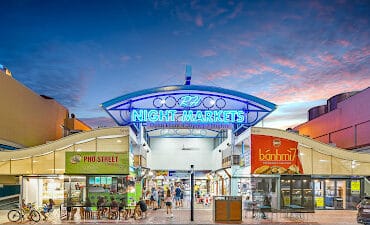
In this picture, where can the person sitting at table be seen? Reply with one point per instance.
(88, 211)
(140, 209)
(267, 206)
(100, 206)
(122, 208)
(113, 209)
(248, 205)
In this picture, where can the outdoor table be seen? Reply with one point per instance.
(262, 209)
(295, 211)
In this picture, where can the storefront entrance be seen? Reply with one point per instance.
(340, 193)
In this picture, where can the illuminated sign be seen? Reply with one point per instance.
(187, 116)
(190, 101)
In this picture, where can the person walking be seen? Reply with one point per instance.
(178, 196)
(155, 199)
(168, 201)
(160, 197)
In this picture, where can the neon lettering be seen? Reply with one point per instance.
(192, 116)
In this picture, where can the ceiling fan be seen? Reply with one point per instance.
(189, 148)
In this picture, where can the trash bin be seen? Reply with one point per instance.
(338, 203)
(227, 209)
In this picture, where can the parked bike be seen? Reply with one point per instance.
(16, 215)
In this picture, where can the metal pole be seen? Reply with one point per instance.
(192, 193)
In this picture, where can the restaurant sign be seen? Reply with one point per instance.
(96, 163)
(272, 155)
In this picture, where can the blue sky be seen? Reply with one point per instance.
(295, 54)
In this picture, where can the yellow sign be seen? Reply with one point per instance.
(319, 202)
(355, 186)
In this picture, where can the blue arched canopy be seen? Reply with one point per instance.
(188, 106)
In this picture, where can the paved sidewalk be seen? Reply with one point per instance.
(182, 216)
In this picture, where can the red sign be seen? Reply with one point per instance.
(272, 155)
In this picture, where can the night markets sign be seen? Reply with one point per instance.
(187, 116)
(96, 163)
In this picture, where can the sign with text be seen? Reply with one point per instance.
(96, 163)
(355, 186)
(187, 116)
(272, 155)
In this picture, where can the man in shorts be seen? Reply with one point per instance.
(178, 196)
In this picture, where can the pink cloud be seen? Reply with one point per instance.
(208, 53)
(125, 58)
(327, 58)
(244, 43)
(238, 9)
(309, 60)
(343, 43)
(219, 74)
(252, 71)
(199, 21)
(285, 62)
(316, 86)
(356, 55)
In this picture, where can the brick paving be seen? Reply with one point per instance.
(204, 216)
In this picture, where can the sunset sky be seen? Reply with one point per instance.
(295, 54)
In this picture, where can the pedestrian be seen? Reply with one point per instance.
(168, 201)
(177, 195)
(160, 197)
(48, 208)
(155, 198)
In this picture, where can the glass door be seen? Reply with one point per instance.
(329, 194)
(319, 194)
(340, 197)
(285, 192)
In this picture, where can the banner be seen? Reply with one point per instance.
(355, 187)
(96, 163)
(272, 155)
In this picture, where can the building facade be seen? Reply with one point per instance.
(29, 119)
(343, 122)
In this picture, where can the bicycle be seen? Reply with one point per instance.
(15, 215)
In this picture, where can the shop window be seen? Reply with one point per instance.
(22, 166)
(87, 146)
(43, 164)
(75, 190)
(297, 191)
(107, 187)
(5, 167)
(119, 144)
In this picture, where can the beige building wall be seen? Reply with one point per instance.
(26, 118)
(50, 158)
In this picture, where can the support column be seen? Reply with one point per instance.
(192, 193)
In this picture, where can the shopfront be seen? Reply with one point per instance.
(337, 192)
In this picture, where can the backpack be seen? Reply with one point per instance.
(151, 198)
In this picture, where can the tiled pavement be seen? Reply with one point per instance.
(204, 216)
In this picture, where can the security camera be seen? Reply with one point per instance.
(144, 145)
(147, 151)
(219, 150)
